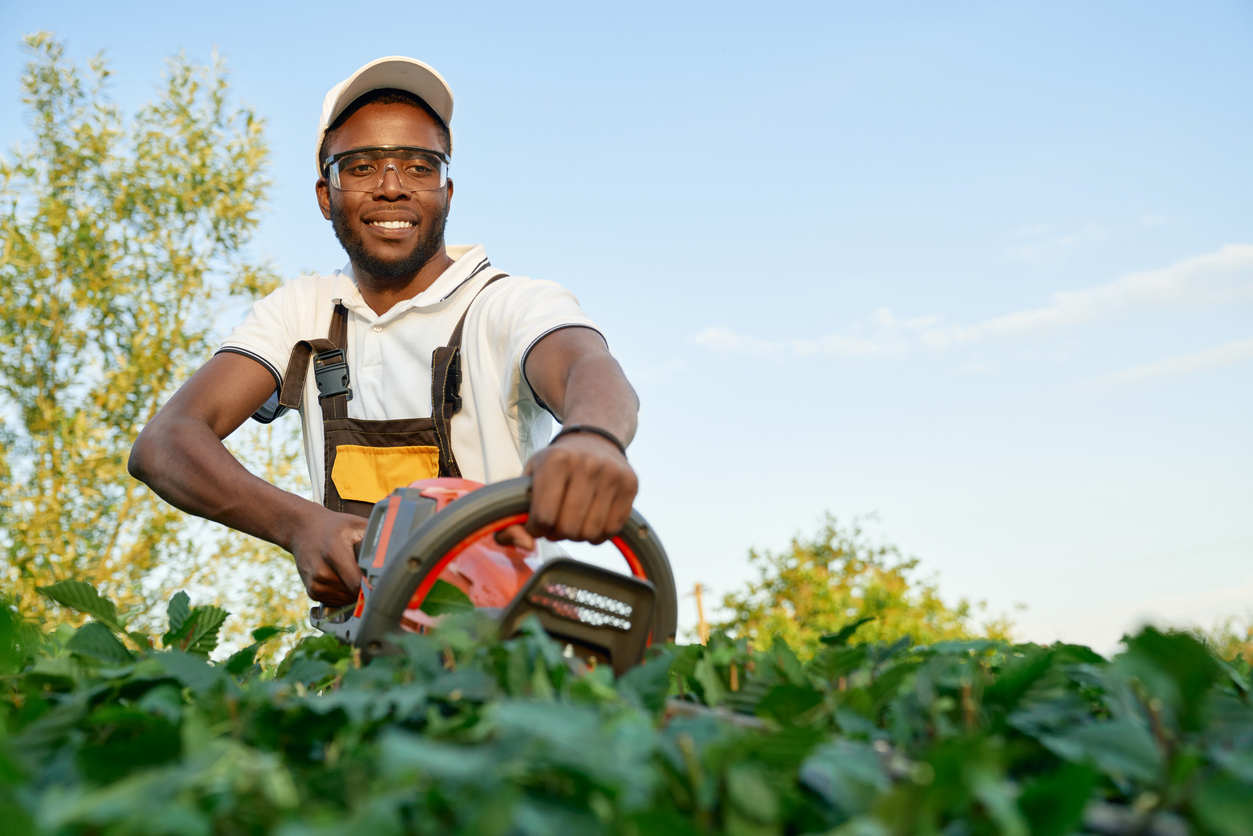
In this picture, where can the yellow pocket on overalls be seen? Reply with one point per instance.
(367, 474)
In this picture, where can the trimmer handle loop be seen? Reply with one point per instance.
(438, 541)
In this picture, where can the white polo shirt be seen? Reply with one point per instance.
(500, 424)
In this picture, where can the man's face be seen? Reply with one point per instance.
(389, 233)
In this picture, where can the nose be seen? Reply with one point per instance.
(392, 185)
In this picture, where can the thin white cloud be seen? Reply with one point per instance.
(1233, 352)
(722, 340)
(1039, 242)
(1216, 279)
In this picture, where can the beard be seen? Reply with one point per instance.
(379, 267)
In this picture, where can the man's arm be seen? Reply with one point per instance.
(180, 455)
(584, 487)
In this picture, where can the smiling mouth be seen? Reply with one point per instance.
(393, 224)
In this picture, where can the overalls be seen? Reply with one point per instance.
(366, 460)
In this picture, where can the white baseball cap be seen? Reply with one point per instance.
(394, 71)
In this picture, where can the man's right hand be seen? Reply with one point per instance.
(180, 455)
(325, 556)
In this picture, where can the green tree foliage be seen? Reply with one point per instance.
(121, 240)
(823, 585)
(1232, 636)
(105, 730)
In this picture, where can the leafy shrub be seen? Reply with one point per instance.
(104, 733)
(820, 584)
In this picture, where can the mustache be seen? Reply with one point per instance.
(381, 266)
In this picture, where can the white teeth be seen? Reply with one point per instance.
(392, 224)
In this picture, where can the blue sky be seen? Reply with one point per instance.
(983, 269)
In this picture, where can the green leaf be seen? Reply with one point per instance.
(328, 648)
(996, 794)
(264, 634)
(17, 639)
(122, 739)
(192, 671)
(706, 675)
(1054, 803)
(887, 685)
(242, 660)
(177, 612)
(165, 700)
(650, 681)
(1176, 667)
(785, 749)
(847, 774)
(831, 663)
(959, 647)
(82, 596)
(199, 631)
(789, 665)
(1018, 675)
(1076, 654)
(786, 702)
(310, 671)
(96, 641)
(406, 755)
(465, 684)
(663, 820)
(746, 700)
(749, 790)
(1224, 805)
(446, 598)
(1119, 748)
(845, 633)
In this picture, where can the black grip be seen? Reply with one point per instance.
(463, 517)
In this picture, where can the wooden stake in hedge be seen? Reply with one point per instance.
(702, 626)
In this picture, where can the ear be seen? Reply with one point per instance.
(449, 198)
(323, 189)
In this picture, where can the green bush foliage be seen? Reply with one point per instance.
(838, 577)
(104, 730)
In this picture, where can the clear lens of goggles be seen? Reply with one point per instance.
(365, 169)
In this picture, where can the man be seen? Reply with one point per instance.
(425, 361)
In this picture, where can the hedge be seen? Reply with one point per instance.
(110, 731)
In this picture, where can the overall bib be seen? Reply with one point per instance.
(365, 460)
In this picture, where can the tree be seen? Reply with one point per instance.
(823, 585)
(122, 240)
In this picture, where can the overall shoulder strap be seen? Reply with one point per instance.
(446, 384)
(330, 369)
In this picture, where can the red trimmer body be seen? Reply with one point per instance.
(443, 530)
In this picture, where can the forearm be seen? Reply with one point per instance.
(187, 465)
(583, 486)
(596, 392)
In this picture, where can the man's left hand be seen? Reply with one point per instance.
(584, 489)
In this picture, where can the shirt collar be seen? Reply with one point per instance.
(468, 260)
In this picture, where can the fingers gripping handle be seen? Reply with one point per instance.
(442, 537)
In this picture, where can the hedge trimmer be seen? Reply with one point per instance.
(429, 549)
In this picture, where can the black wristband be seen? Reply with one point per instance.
(585, 428)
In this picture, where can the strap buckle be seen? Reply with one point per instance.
(330, 372)
(452, 384)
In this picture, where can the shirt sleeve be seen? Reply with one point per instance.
(265, 336)
(519, 315)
